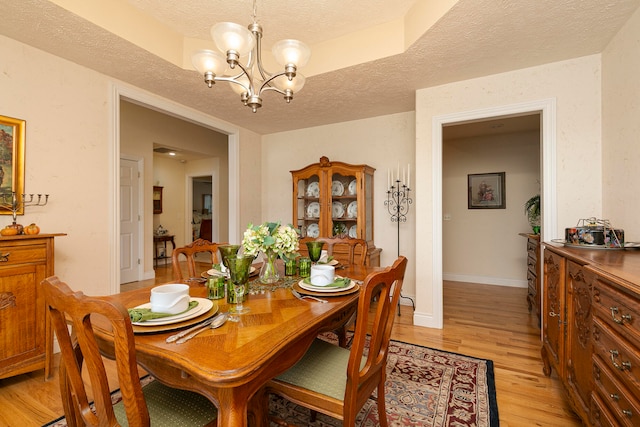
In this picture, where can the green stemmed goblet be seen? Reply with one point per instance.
(239, 267)
(315, 250)
(227, 251)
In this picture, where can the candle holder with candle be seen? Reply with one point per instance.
(398, 203)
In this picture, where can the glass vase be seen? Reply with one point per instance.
(269, 271)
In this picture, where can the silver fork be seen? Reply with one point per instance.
(302, 297)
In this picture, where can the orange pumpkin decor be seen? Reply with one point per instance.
(10, 230)
(31, 229)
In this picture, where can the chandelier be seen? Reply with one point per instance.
(249, 79)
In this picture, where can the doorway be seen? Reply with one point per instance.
(202, 202)
(547, 110)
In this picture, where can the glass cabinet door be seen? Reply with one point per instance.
(308, 207)
(344, 205)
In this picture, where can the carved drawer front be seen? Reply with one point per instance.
(531, 282)
(531, 264)
(616, 352)
(615, 395)
(600, 415)
(532, 247)
(13, 255)
(618, 310)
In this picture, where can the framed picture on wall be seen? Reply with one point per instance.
(12, 141)
(487, 191)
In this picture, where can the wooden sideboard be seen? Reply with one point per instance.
(26, 339)
(591, 330)
(533, 273)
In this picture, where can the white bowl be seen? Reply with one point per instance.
(322, 274)
(171, 299)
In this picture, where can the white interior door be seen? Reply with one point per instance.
(129, 221)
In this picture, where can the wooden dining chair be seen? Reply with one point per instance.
(337, 381)
(157, 403)
(347, 250)
(188, 252)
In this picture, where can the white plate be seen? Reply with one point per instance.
(353, 187)
(353, 232)
(332, 262)
(338, 210)
(352, 210)
(313, 190)
(313, 210)
(214, 272)
(337, 189)
(204, 305)
(325, 288)
(313, 230)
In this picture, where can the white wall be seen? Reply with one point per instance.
(575, 84)
(621, 129)
(483, 245)
(380, 142)
(67, 156)
(70, 154)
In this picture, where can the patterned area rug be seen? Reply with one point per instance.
(425, 387)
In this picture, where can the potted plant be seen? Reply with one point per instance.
(532, 210)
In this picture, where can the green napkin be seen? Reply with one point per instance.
(143, 314)
(338, 282)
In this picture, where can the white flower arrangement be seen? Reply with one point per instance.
(271, 236)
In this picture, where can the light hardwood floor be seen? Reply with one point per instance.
(489, 322)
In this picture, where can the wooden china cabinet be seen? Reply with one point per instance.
(335, 198)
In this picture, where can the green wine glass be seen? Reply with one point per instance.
(239, 268)
(315, 250)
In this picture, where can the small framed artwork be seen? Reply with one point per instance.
(487, 191)
(12, 141)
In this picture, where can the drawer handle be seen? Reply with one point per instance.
(7, 299)
(5, 257)
(620, 321)
(614, 397)
(628, 413)
(623, 366)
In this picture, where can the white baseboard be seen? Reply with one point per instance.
(484, 280)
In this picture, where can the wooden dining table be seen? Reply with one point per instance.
(230, 364)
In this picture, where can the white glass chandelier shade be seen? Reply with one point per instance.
(206, 60)
(232, 37)
(239, 63)
(291, 51)
(283, 83)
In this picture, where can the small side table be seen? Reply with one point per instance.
(162, 239)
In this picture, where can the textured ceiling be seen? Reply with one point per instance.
(473, 39)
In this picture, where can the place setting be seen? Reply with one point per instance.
(322, 280)
(170, 307)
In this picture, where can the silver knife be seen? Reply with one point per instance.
(175, 337)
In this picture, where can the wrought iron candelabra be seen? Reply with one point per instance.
(14, 204)
(398, 203)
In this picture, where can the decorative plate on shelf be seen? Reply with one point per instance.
(313, 230)
(353, 232)
(338, 210)
(352, 210)
(313, 190)
(313, 210)
(353, 186)
(337, 189)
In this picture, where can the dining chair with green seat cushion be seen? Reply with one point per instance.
(347, 250)
(189, 253)
(337, 381)
(171, 407)
(79, 346)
